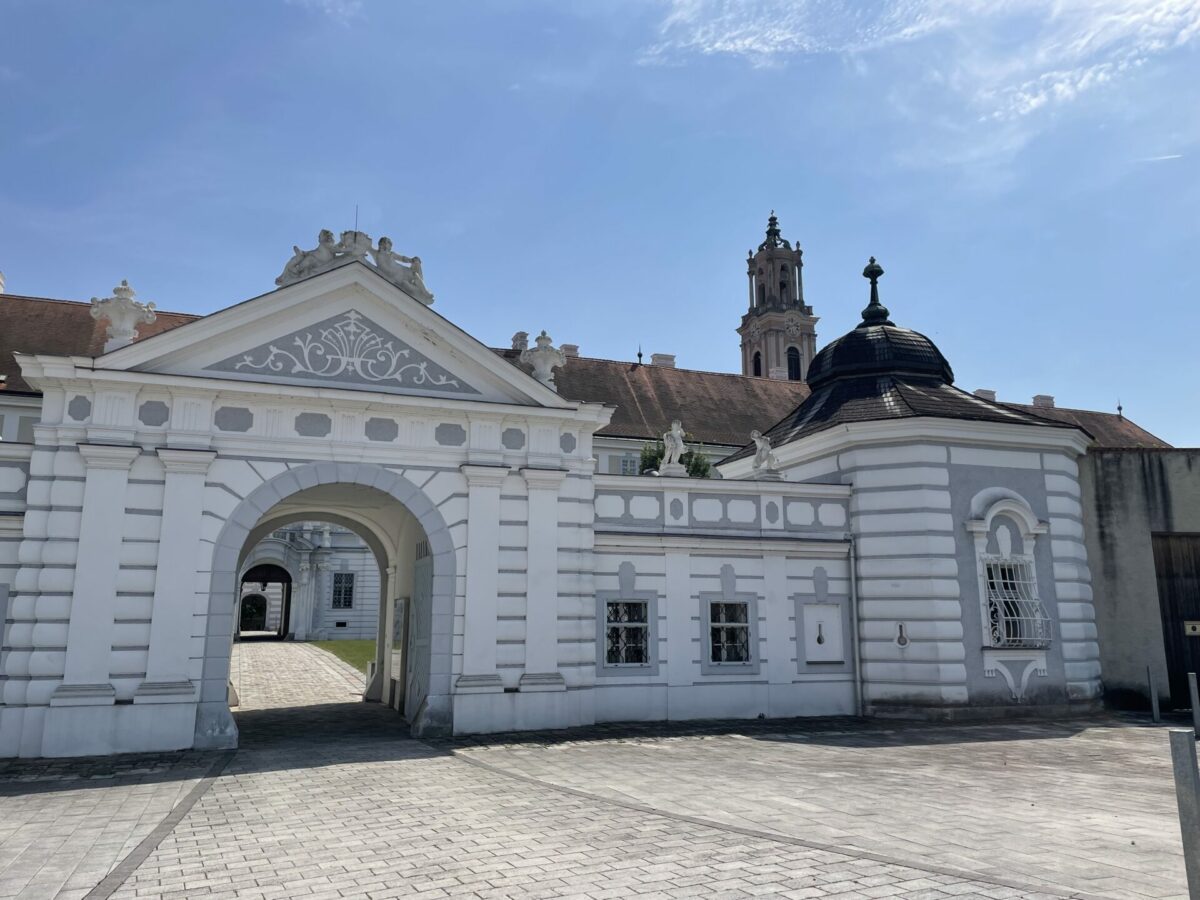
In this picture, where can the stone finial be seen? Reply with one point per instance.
(124, 314)
(544, 358)
(520, 340)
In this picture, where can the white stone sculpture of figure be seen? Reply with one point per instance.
(403, 271)
(673, 446)
(308, 262)
(764, 456)
(353, 245)
(545, 358)
(124, 314)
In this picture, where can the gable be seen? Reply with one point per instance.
(347, 328)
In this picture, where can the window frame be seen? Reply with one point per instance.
(729, 594)
(346, 603)
(793, 352)
(1036, 617)
(627, 593)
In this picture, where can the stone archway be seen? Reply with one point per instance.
(215, 727)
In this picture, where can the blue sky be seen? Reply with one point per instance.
(1026, 172)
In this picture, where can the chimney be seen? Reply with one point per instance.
(985, 394)
(520, 340)
(570, 350)
(663, 359)
(1045, 401)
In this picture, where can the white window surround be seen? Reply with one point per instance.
(343, 590)
(630, 465)
(1012, 614)
(626, 593)
(728, 595)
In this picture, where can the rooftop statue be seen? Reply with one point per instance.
(673, 450)
(765, 463)
(403, 271)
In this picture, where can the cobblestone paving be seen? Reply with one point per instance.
(330, 799)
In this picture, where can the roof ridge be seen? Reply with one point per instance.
(161, 312)
(1093, 412)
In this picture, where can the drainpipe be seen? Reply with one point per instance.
(854, 644)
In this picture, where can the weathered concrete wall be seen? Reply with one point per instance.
(1128, 495)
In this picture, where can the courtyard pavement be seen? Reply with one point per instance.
(328, 797)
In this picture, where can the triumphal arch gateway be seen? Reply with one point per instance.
(887, 543)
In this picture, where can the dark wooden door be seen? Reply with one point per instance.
(1177, 567)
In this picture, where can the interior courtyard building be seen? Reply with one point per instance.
(336, 458)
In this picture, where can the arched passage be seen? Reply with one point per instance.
(264, 602)
(214, 723)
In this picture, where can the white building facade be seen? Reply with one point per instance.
(917, 566)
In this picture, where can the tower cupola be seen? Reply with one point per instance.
(778, 330)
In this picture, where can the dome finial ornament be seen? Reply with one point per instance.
(875, 313)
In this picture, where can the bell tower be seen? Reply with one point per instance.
(778, 332)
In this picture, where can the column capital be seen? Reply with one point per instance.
(484, 476)
(189, 462)
(543, 479)
(108, 456)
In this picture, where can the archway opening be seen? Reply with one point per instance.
(374, 561)
(264, 604)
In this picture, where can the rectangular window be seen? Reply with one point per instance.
(627, 633)
(729, 632)
(343, 590)
(630, 465)
(1016, 617)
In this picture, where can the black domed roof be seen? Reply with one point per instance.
(879, 350)
(878, 347)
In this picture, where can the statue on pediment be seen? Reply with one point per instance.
(764, 456)
(403, 271)
(309, 262)
(673, 446)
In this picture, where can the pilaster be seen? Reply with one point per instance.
(479, 673)
(171, 618)
(90, 627)
(541, 592)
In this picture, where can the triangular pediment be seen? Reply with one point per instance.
(346, 350)
(348, 329)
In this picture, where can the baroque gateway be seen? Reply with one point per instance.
(886, 544)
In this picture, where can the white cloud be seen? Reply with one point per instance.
(341, 11)
(1006, 59)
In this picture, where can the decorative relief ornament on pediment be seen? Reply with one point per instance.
(350, 349)
(355, 246)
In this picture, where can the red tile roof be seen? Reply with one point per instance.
(60, 328)
(715, 407)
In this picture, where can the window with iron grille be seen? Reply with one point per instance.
(729, 632)
(343, 590)
(1015, 615)
(626, 633)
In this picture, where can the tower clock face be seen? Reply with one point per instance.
(792, 326)
(755, 332)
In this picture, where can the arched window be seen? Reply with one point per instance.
(762, 293)
(758, 363)
(793, 363)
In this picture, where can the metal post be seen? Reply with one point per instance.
(1153, 695)
(1187, 796)
(1195, 697)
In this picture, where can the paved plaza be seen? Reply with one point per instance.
(328, 797)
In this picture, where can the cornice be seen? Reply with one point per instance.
(109, 456)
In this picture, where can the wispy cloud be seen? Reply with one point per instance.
(342, 11)
(1161, 158)
(1010, 59)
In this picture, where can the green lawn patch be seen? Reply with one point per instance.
(356, 653)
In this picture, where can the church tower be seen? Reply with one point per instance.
(778, 332)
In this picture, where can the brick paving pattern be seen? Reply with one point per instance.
(328, 798)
